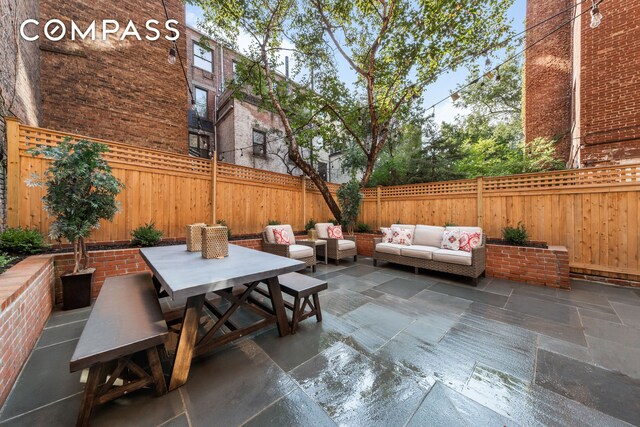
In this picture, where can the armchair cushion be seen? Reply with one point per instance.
(268, 231)
(322, 229)
(300, 251)
(344, 244)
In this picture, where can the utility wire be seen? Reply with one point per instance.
(175, 46)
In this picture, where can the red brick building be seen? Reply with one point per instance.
(582, 84)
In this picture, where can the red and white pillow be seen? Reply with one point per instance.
(335, 232)
(468, 241)
(282, 236)
(451, 240)
(387, 234)
(402, 236)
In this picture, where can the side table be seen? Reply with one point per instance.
(318, 243)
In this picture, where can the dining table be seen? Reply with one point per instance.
(183, 274)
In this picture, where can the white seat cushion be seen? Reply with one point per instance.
(300, 251)
(268, 230)
(453, 257)
(346, 244)
(323, 230)
(419, 251)
(428, 235)
(390, 248)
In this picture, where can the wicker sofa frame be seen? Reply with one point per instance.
(336, 254)
(475, 270)
(283, 250)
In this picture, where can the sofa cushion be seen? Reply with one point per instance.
(268, 230)
(467, 230)
(389, 248)
(419, 251)
(335, 232)
(453, 257)
(344, 244)
(300, 251)
(468, 241)
(387, 234)
(402, 236)
(451, 240)
(323, 230)
(406, 226)
(428, 235)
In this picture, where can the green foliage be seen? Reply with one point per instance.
(81, 191)
(516, 236)
(310, 225)
(350, 197)
(333, 221)
(274, 222)
(146, 235)
(22, 241)
(450, 224)
(224, 224)
(5, 260)
(363, 227)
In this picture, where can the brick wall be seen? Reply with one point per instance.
(25, 304)
(123, 91)
(610, 64)
(364, 243)
(547, 75)
(19, 79)
(535, 266)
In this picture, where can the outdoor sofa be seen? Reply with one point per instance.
(425, 250)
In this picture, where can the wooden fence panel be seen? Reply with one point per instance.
(594, 212)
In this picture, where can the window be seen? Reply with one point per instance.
(198, 146)
(202, 101)
(202, 57)
(259, 143)
(234, 68)
(322, 170)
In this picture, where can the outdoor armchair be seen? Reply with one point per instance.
(303, 251)
(337, 249)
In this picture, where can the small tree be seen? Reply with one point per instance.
(80, 192)
(349, 197)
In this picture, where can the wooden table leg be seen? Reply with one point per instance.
(278, 305)
(186, 341)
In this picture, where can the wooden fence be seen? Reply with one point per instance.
(594, 211)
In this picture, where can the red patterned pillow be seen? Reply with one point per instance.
(402, 236)
(335, 232)
(468, 241)
(281, 236)
(387, 234)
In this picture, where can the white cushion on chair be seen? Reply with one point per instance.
(346, 244)
(300, 251)
(453, 257)
(323, 230)
(390, 248)
(428, 235)
(268, 230)
(419, 251)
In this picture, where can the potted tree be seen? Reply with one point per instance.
(81, 191)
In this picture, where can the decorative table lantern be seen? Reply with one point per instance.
(215, 242)
(194, 236)
(312, 234)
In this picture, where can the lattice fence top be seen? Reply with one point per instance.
(333, 187)
(584, 178)
(428, 189)
(124, 154)
(231, 171)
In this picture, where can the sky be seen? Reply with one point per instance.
(443, 87)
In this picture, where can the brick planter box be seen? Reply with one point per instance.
(535, 266)
(364, 243)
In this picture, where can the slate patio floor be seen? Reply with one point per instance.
(394, 349)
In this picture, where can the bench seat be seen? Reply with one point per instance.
(126, 318)
(302, 288)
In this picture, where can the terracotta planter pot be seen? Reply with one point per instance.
(76, 289)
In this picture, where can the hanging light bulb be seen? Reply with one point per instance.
(193, 105)
(432, 114)
(596, 16)
(171, 59)
(455, 96)
(487, 63)
(241, 153)
(497, 74)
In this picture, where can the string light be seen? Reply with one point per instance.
(596, 16)
(498, 74)
(171, 59)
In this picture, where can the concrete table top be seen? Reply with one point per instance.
(185, 274)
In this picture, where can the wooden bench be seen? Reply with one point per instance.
(126, 319)
(300, 286)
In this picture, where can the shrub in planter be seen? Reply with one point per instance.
(81, 191)
(22, 241)
(350, 197)
(223, 223)
(516, 236)
(146, 235)
(363, 227)
(310, 225)
(274, 222)
(5, 260)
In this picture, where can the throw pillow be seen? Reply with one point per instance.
(387, 234)
(402, 236)
(451, 240)
(281, 236)
(335, 232)
(468, 241)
